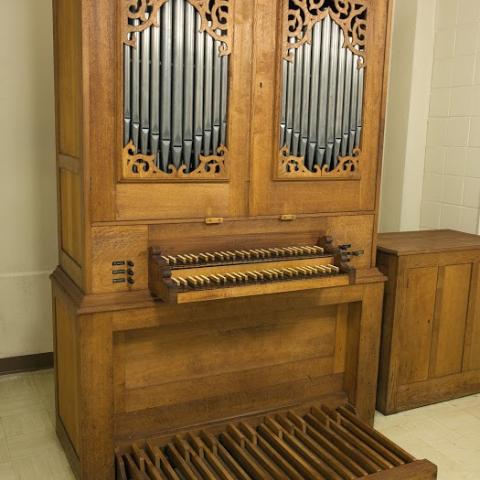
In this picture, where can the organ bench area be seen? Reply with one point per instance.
(217, 307)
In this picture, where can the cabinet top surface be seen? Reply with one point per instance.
(411, 243)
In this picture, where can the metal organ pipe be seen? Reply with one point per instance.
(314, 93)
(189, 84)
(135, 86)
(178, 81)
(175, 89)
(145, 92)
(224, 100)
(198, 103)
(322, 98)
(207, 95)
(166, 89)
(155, 91)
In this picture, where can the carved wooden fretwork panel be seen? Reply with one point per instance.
(323, 73)
(294, 168)
(215, 15)
(302, 15)
(143, 167)
(140, 15)
(176, 78)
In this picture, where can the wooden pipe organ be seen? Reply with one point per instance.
(218, 171)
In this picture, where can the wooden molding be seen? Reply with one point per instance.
(26, 363)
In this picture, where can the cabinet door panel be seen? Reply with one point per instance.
(471, 359)
(318, 151)
(182, 113)
(416, 325)
(450, 320)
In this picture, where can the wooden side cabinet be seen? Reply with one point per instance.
(431, 318)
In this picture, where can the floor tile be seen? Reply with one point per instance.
(7, 472)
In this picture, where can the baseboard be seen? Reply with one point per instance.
(26, 363)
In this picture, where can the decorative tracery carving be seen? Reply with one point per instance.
(215, 19)
(293, 168)
(302, 15)
(212, 167)
(145, 11)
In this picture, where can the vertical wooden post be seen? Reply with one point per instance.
(363, 351)
(96, 399)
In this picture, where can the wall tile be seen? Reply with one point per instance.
(474, 140)
(442, 72)
(446, 15)
(469, 220)
(471, 192)
(466, 38)
(453, 190)
(437, 131)
(450, 216)
(460, 104)
(433, 187)
(476, 79)
(473, 162)
(468, 11)
(456, 161)
(445, 43)
(462, 70)
(430, 215)
(435, 159)
(440, 102)
(475, 99)
(458, 129)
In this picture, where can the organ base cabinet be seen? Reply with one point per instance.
(244, 388)
(218, 178)
(431, 320)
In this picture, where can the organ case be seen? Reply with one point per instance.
(217, 150)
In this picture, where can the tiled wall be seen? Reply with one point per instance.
(451, 190)
(28, 238)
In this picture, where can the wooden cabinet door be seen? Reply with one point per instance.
(170, 124)
(317, 105)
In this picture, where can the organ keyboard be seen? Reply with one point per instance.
(194, 277)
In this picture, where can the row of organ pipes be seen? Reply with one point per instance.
(175, 101)
(322, 99)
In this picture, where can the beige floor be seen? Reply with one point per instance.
(447, 434)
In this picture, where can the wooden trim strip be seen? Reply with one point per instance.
(26, 363)
(67, 162)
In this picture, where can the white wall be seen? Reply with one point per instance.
(451, 190)
(407, 114)
(28, 238)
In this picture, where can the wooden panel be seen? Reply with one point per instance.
(388, 265)
(417, 321)
(471, 360)
(437, 390)
(217, 346)
(341, 335)
(413, 243)
(194, 199)
(249, 360)
(278, 197)
(450, 320)
(68, 73)
(95, 342)
(71, 215)
(67, 369)
(111, 244)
